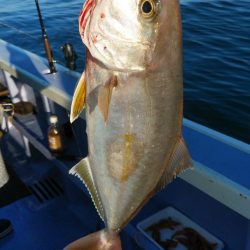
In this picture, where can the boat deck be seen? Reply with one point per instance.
(49, 219)
(51, 227)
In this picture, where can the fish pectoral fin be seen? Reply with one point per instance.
(79, 98)
(83, 171)
(179, 161)
(104, 97)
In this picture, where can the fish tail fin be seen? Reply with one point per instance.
(101, 240)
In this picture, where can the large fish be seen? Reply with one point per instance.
(133, 93)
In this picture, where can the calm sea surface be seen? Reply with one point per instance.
(216, 38)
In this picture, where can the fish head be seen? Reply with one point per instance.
(123, 34)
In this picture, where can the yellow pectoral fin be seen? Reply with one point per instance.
(104, 97)
(79, 98)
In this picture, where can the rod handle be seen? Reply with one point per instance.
(49, 54)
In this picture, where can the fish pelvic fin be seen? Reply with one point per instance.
(104, 97)
(102, 240)
(79, 98)
(180, 160)
(83, 171)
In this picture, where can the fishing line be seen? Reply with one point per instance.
(27, 34)
(16, 29)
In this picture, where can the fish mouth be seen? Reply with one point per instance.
(111, 37)
(119, 54)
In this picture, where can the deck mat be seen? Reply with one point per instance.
(51, 227)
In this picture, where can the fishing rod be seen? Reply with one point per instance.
(46, 41)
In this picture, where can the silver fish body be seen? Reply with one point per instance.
(134, 99)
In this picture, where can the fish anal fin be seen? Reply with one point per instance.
(179, 161)
(104, 97)
(83, 171)
(79, 98)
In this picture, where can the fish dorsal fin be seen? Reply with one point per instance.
(83, 171)
(79, 98)
(179, 161)
(104, 97)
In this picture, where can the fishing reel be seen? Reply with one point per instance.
(69, 55)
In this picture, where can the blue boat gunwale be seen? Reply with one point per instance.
(30, 68)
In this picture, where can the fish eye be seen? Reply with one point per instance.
(147, 8)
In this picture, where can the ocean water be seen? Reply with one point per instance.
(216, 40)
